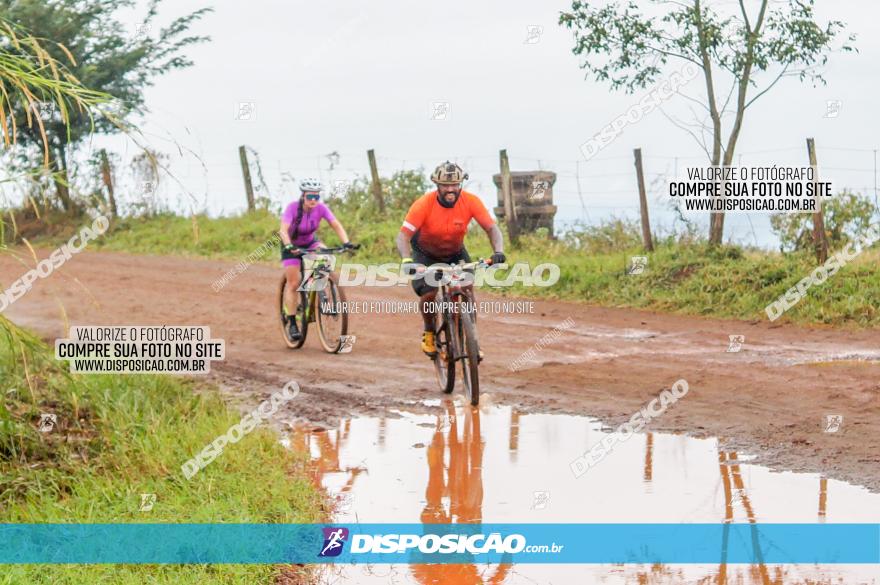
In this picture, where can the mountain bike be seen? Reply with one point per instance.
(456, 334)
(321, 301)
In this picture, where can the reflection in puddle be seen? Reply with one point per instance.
(495, 464)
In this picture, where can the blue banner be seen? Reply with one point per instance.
(440, 543)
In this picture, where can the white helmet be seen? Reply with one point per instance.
(310, 185)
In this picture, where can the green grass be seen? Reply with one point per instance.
(717, 282)
(684, 275)
(119, 436)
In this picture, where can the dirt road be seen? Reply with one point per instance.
(770, 399)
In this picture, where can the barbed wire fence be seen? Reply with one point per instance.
(586, 192)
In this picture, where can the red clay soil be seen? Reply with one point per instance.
(769, 399)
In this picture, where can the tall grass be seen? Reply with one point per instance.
(29, 77)
(117, 437)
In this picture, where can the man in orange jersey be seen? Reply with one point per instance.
(433, 233)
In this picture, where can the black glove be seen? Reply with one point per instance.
(291, 249)
(498, 258)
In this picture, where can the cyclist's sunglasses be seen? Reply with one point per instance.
(313, 196)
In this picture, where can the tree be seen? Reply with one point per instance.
(103, 56)
(623, 46)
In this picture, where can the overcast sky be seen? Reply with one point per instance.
(347, 76)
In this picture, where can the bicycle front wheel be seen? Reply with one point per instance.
(444, 361)
(470, 357)
(332, 315)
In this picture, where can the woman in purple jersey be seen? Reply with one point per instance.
(299, 226)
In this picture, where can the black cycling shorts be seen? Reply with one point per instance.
(287, 255)
(419, 285)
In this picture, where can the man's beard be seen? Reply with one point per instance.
(448, 204)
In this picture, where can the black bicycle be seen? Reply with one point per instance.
(456, 334)
(321, 301)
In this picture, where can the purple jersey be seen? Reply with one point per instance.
(311, 220)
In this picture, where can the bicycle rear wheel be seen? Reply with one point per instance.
(470, 357)
(301, 323)
(444, 361)
(332, 315)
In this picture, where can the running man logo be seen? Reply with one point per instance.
(439, 110)
(346, 343)
(147, 502)
(833, 422)
(47, 422)
(334, 541)
(637, 265)
(736, 343)
(539, 189)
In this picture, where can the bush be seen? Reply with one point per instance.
(846, 215)
(399, 192)
(608, 236)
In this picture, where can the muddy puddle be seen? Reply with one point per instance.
(496, 464)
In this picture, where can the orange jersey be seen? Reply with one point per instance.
(440, 231)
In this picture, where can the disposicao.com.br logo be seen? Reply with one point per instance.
(434, 543)
(398, 543)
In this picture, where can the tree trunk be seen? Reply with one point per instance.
(717, 230)
(375, 184)
(107, 177)
(643, 202)
(716, 219)
(507, 195)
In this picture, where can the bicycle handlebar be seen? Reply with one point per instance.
(335, 250)
(479, 263)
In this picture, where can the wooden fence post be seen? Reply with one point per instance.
(820, 239)
(643, 202)
(377, 186)
(107, 177)
(246, 174)
(507, 194)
